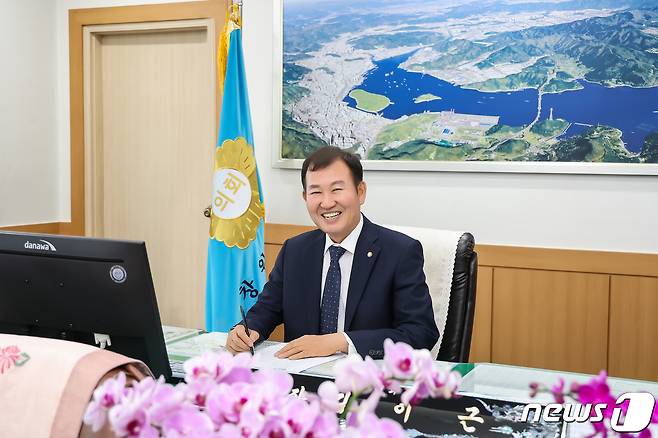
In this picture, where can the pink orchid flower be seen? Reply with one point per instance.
(276, 427)
(398, 359)
(197, 391)
(369, 426)
(165, 401)
(210, 365)
(188, 421)
(356, 375)
(105, 397)
(131, 420)
(251, 422)
(225, 403)
(300, 415)
(329, 397)
(222, 397)
(275, 382)
(325, 426)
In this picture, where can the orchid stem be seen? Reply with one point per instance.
(348, 405)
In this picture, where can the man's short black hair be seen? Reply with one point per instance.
(326, 156)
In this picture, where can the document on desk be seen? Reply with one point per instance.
(173, 333)
(264, 358)
(188, 347)
(196, 345)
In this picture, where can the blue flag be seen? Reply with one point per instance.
(236, 255)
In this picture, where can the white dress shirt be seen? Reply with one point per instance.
(345, 263)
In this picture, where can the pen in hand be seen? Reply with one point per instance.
(246, 328)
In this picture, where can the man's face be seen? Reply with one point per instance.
(333, 201)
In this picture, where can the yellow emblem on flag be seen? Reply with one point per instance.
(236, 206)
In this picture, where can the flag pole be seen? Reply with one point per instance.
(234, 15)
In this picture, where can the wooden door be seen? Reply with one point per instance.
(149, 137)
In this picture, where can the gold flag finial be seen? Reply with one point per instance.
(233, 21)
(235, 14)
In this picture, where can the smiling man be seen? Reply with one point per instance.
(346, 286)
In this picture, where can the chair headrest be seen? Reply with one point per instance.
(465, 248)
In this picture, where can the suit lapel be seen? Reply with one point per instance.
(312, 273)
(365, 256)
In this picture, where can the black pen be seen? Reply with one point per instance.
(246, 328)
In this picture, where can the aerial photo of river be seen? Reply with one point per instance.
(572, 81)
(632, 110)
(401, 87)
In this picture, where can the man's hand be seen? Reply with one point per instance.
(313, 346)
(238, 341)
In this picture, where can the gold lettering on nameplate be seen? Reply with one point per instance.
(400, 408)
(473, 416)
(299, 392)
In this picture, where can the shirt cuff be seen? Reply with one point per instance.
(350, 346)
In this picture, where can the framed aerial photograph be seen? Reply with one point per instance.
(496, 86)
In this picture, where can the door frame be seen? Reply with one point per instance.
(78, 19)
(93, 102)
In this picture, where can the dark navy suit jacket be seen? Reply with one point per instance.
(387, 295)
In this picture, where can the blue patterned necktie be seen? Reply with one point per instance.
(331, 293)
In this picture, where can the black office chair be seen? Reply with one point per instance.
(456, 341)
(453, 315)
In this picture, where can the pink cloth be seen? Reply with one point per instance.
(46, 384)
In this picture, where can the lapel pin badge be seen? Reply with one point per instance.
(369, 254)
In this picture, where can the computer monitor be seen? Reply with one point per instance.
(72, 288)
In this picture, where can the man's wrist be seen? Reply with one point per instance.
(341, 342)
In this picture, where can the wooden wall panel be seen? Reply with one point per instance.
(279, 233)
(49, 228)
(547, 259)
(481, 341)
(633, 327)
(554, 320)
(277, 334)
(569, 260)
(271, 252)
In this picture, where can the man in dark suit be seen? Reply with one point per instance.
(347, 286)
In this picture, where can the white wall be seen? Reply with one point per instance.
(566, 211)
(28, 169)
(617, 213)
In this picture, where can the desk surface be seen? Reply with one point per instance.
(485, 379)
(503, 382)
